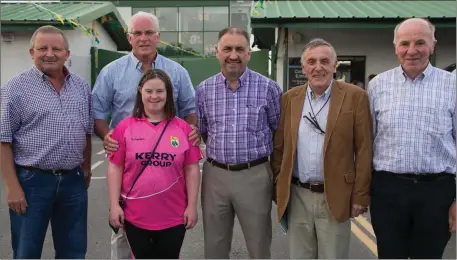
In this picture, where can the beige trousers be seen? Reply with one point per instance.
(246, 193)
(313, 233)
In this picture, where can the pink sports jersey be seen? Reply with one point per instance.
(159, 197)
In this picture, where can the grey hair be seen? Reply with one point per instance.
(430, 26)
(142, 14)
(49, 29)
(314, 43)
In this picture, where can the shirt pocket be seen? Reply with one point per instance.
(255, 117)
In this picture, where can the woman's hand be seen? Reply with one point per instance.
(190, 217)
(116, 217)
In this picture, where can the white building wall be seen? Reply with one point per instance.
(80, 44)
(280, 58)
(375, 44)
(16, 58)
(126, 14)
(15, 55)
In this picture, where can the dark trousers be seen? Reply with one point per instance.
(155, 244)
(410, 217)
(59, 199)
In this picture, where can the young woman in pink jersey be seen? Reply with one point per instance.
(158, 184)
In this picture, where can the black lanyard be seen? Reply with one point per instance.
(311, 106)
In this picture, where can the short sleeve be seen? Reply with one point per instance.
(10, 120)
(118, 157)
(194, 153)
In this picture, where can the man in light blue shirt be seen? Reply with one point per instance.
(116, 87)
(413, 186)
(117, 84)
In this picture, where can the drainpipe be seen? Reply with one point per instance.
(285, 86)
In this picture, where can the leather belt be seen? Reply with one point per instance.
(60, 171)
(418, 177)
(239, 166)
(318, 187)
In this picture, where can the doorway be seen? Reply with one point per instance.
(351, 69)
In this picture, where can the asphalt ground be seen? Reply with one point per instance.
(362, 243)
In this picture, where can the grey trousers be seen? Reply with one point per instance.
(313, 233)
(248, 194)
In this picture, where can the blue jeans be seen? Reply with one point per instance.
(59, 198)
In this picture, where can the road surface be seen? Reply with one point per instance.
(362, 244)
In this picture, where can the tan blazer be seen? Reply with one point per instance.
(348, 148)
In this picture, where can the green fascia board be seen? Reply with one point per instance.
(355, 9)
(161, 3)
(29, 17)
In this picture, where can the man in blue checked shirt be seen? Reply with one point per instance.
(413, 186)
(45, 130)
(238, 113)
(117, 85)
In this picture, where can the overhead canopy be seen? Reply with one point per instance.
(350, 14)
(27, 17)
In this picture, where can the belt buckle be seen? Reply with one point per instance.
(311, 185)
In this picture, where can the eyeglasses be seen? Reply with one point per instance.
(313, 121)
(147, 33)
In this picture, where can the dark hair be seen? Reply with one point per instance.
(234, 30)
(169, 109)
(371, 77)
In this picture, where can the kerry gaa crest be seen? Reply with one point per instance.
(174, 141)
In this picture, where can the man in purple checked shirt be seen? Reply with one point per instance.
(238, 112)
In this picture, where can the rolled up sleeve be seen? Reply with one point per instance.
(274, 104)
(102, 95)
(186, 95)
(201, 118)
(10, 120)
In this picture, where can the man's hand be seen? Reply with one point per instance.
(357, 210)
(195, 136)
(16, 199)
(452, 218)
(109, 143)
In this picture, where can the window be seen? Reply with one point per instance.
(191, 28)
(190, 19)
(168, 18)
(210, 40)
(216, 18)
(240, 20)
(147, 10)
(192, 41)
(169, 37)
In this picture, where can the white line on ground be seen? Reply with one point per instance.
(101, 152)
(95, 165)
(97, 178)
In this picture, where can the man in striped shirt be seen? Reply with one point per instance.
(237, 112)
(413, 185)
(45, 130)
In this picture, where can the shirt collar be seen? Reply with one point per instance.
(66, 72)
(142, 118)
(138, 63)
(326, 93)
(241, 80)
(424, 75)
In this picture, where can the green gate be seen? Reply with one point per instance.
(199, 68)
